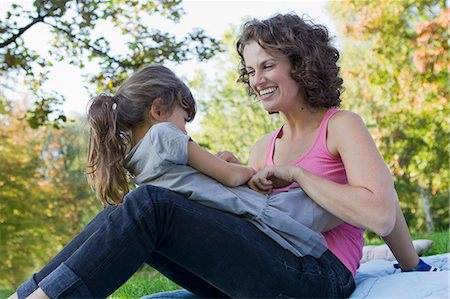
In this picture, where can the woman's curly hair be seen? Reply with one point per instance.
(307, 46)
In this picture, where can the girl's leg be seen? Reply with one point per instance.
(31, 284)
(227, 252)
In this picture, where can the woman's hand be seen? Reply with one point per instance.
(229, 157)
(272, 177)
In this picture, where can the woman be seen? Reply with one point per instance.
(291, 66)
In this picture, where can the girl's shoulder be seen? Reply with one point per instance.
(163, 127)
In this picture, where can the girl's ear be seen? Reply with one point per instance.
(157, 111)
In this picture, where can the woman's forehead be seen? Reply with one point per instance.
(254, 54)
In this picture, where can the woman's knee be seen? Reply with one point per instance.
(148, 198)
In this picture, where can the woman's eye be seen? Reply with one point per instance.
(268, 66)
(250, 73)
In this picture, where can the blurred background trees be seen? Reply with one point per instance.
(394, 62)
(44, 197)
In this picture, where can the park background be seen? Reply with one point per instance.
(55, 55)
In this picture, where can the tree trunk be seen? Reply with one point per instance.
(424, 197)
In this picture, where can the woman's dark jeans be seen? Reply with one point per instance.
(208, 252)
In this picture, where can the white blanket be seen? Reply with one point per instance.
(379, 279)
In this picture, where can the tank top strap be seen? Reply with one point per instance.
(321, 138)
(271, 147)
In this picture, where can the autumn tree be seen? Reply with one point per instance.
(395, 61)
(74, 26)
(45, 199)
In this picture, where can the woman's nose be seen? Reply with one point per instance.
(259, 79)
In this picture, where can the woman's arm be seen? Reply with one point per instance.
(229, 174)
(369, 198)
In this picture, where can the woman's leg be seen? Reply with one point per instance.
(183, 277)
(31, 284)
(227, 252)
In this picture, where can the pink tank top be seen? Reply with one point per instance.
(345, 240)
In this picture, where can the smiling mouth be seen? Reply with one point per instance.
(267, 91)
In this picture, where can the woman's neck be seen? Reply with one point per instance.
(302, 122)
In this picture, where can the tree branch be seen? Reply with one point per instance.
(22, 30)
(87, 44)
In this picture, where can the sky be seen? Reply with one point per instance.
(214, 16)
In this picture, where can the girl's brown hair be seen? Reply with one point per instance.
(307, 45)
(111, 119)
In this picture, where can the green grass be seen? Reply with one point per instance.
(440, 242)
(148, 281)
(4, 293)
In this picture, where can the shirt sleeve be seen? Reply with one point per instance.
(170, 143)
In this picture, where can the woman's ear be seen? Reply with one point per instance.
(157, 111)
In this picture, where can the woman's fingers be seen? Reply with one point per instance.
(260, 183)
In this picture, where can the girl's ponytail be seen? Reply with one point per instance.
(106, 152)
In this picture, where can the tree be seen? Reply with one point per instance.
(73, 25)
(42, 189)
(395, 67)
(231, 119)
(26, 199)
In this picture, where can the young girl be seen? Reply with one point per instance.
(151, 120)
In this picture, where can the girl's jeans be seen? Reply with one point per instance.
(208, 252)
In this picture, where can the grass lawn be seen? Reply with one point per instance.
(147, 281)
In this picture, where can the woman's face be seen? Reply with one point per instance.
(270, 78)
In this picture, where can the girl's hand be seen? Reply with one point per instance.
(229, 157)
(272, 177)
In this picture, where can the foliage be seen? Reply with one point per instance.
(26, 199)
(42, 190)
(395, 67)
(231, 120)
(74, 26)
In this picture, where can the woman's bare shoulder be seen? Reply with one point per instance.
(264, 140)
(345, 117)
(343, 127)
(258, 152)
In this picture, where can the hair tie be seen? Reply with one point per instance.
(114, 105)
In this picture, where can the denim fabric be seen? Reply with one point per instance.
(206, 251)
(179, 294)
(62, 279)
(28, 287)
